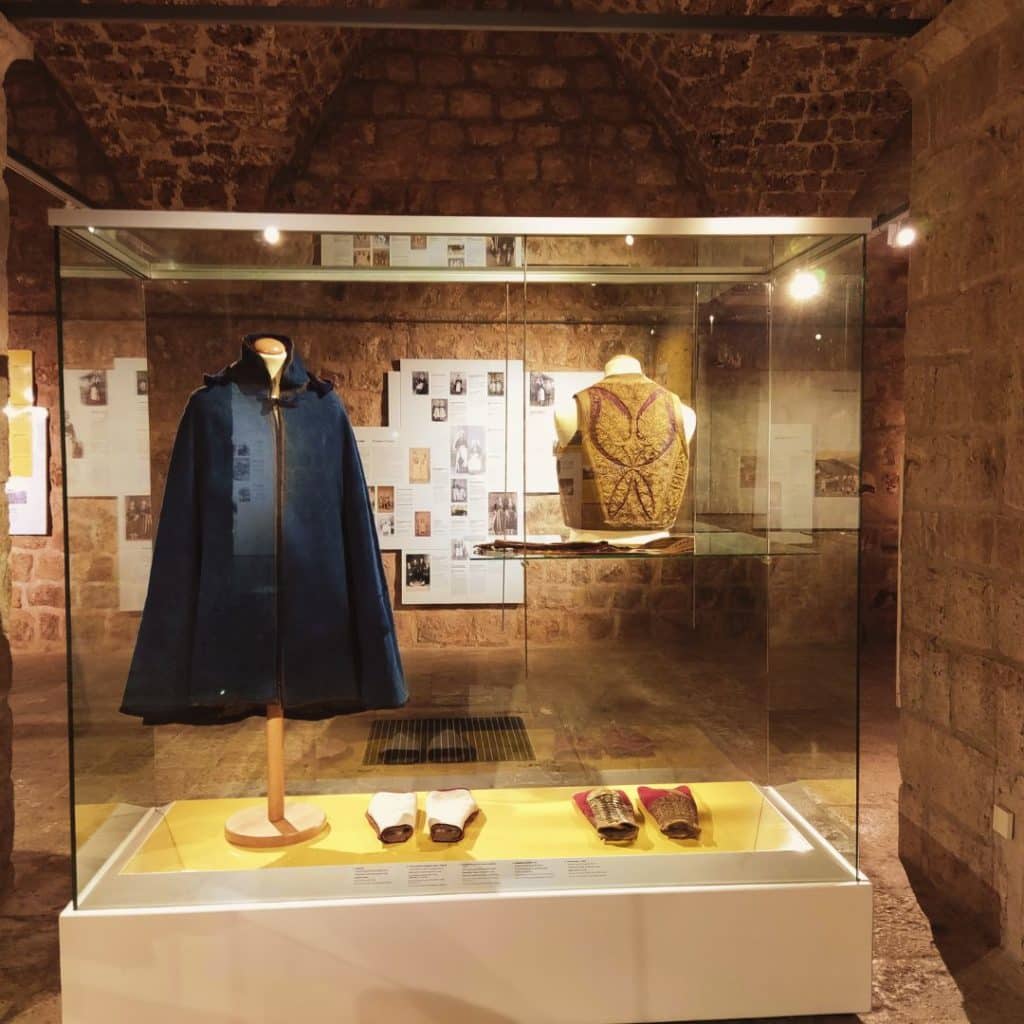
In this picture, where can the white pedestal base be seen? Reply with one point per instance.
(585, 957)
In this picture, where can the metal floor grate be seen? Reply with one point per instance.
(451, 740)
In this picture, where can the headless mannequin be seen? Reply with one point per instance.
(275, 824)
(567, 423)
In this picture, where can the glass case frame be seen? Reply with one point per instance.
(151, 248)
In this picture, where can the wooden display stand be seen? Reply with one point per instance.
(277, 824)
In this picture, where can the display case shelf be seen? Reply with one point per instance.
(722, 544)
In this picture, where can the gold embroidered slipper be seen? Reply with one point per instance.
(674, 810)
(611, 813)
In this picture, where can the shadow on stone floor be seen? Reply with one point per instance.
(991, 983)
(29, 951)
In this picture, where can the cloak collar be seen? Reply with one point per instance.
(249, 371)
(251, 368)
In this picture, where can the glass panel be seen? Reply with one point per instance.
(815, 473)
(102, 319)
(543, 658)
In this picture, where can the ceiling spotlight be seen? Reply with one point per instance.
(652, 332)
(817, 337)
(271, 235)
(630, 239)
(92, 231)
(907, 235)
(900, 233)
(804, 285)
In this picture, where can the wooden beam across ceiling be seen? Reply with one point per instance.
(461, 21)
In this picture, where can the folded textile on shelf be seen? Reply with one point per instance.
(393, 816)
(679, 545)
(449, 811)
(611, 812)
(674, 810)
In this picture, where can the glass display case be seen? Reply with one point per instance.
(612, 468)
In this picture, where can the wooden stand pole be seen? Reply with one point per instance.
(275, 762)
(276, 823)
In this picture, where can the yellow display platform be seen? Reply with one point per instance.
(513, 824)
(90, 818)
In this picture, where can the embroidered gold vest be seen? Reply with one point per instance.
(626, 466)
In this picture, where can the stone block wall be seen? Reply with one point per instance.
(44, 127)
(882, 434)
(37, 563)
(489, 123)
(13, 47)
(962, 585)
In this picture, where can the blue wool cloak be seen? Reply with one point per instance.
(266, 584)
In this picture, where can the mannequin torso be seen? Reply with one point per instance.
(274, 356)
(567, 415)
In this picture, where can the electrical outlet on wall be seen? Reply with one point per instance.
(1002, 821)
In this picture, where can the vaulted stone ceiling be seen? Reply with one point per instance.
(205, 116)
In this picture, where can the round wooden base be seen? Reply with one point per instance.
(252, 828)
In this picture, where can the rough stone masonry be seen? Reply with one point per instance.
(962, 649)
(13, 46)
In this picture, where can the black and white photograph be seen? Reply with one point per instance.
(138, 517)
(92, 387)
(836, 478)
(456, 254)
(386, 526)
(419, 465)
(469, 454)
(459, 510)
(457, 383)
(417, 571)
(501, 250)
(418, 242)
(502, 513)
(373, 496)
(381, 258)
(362, 250)
(142, 382)
(421, 523)
(420, 382)
(496, 383)
(542, 390)
(241, 463)
(385, 498)
(748, 471)
(244, 496)
(460, 489)
(439, 410)
(73, 441)
(460, 549)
